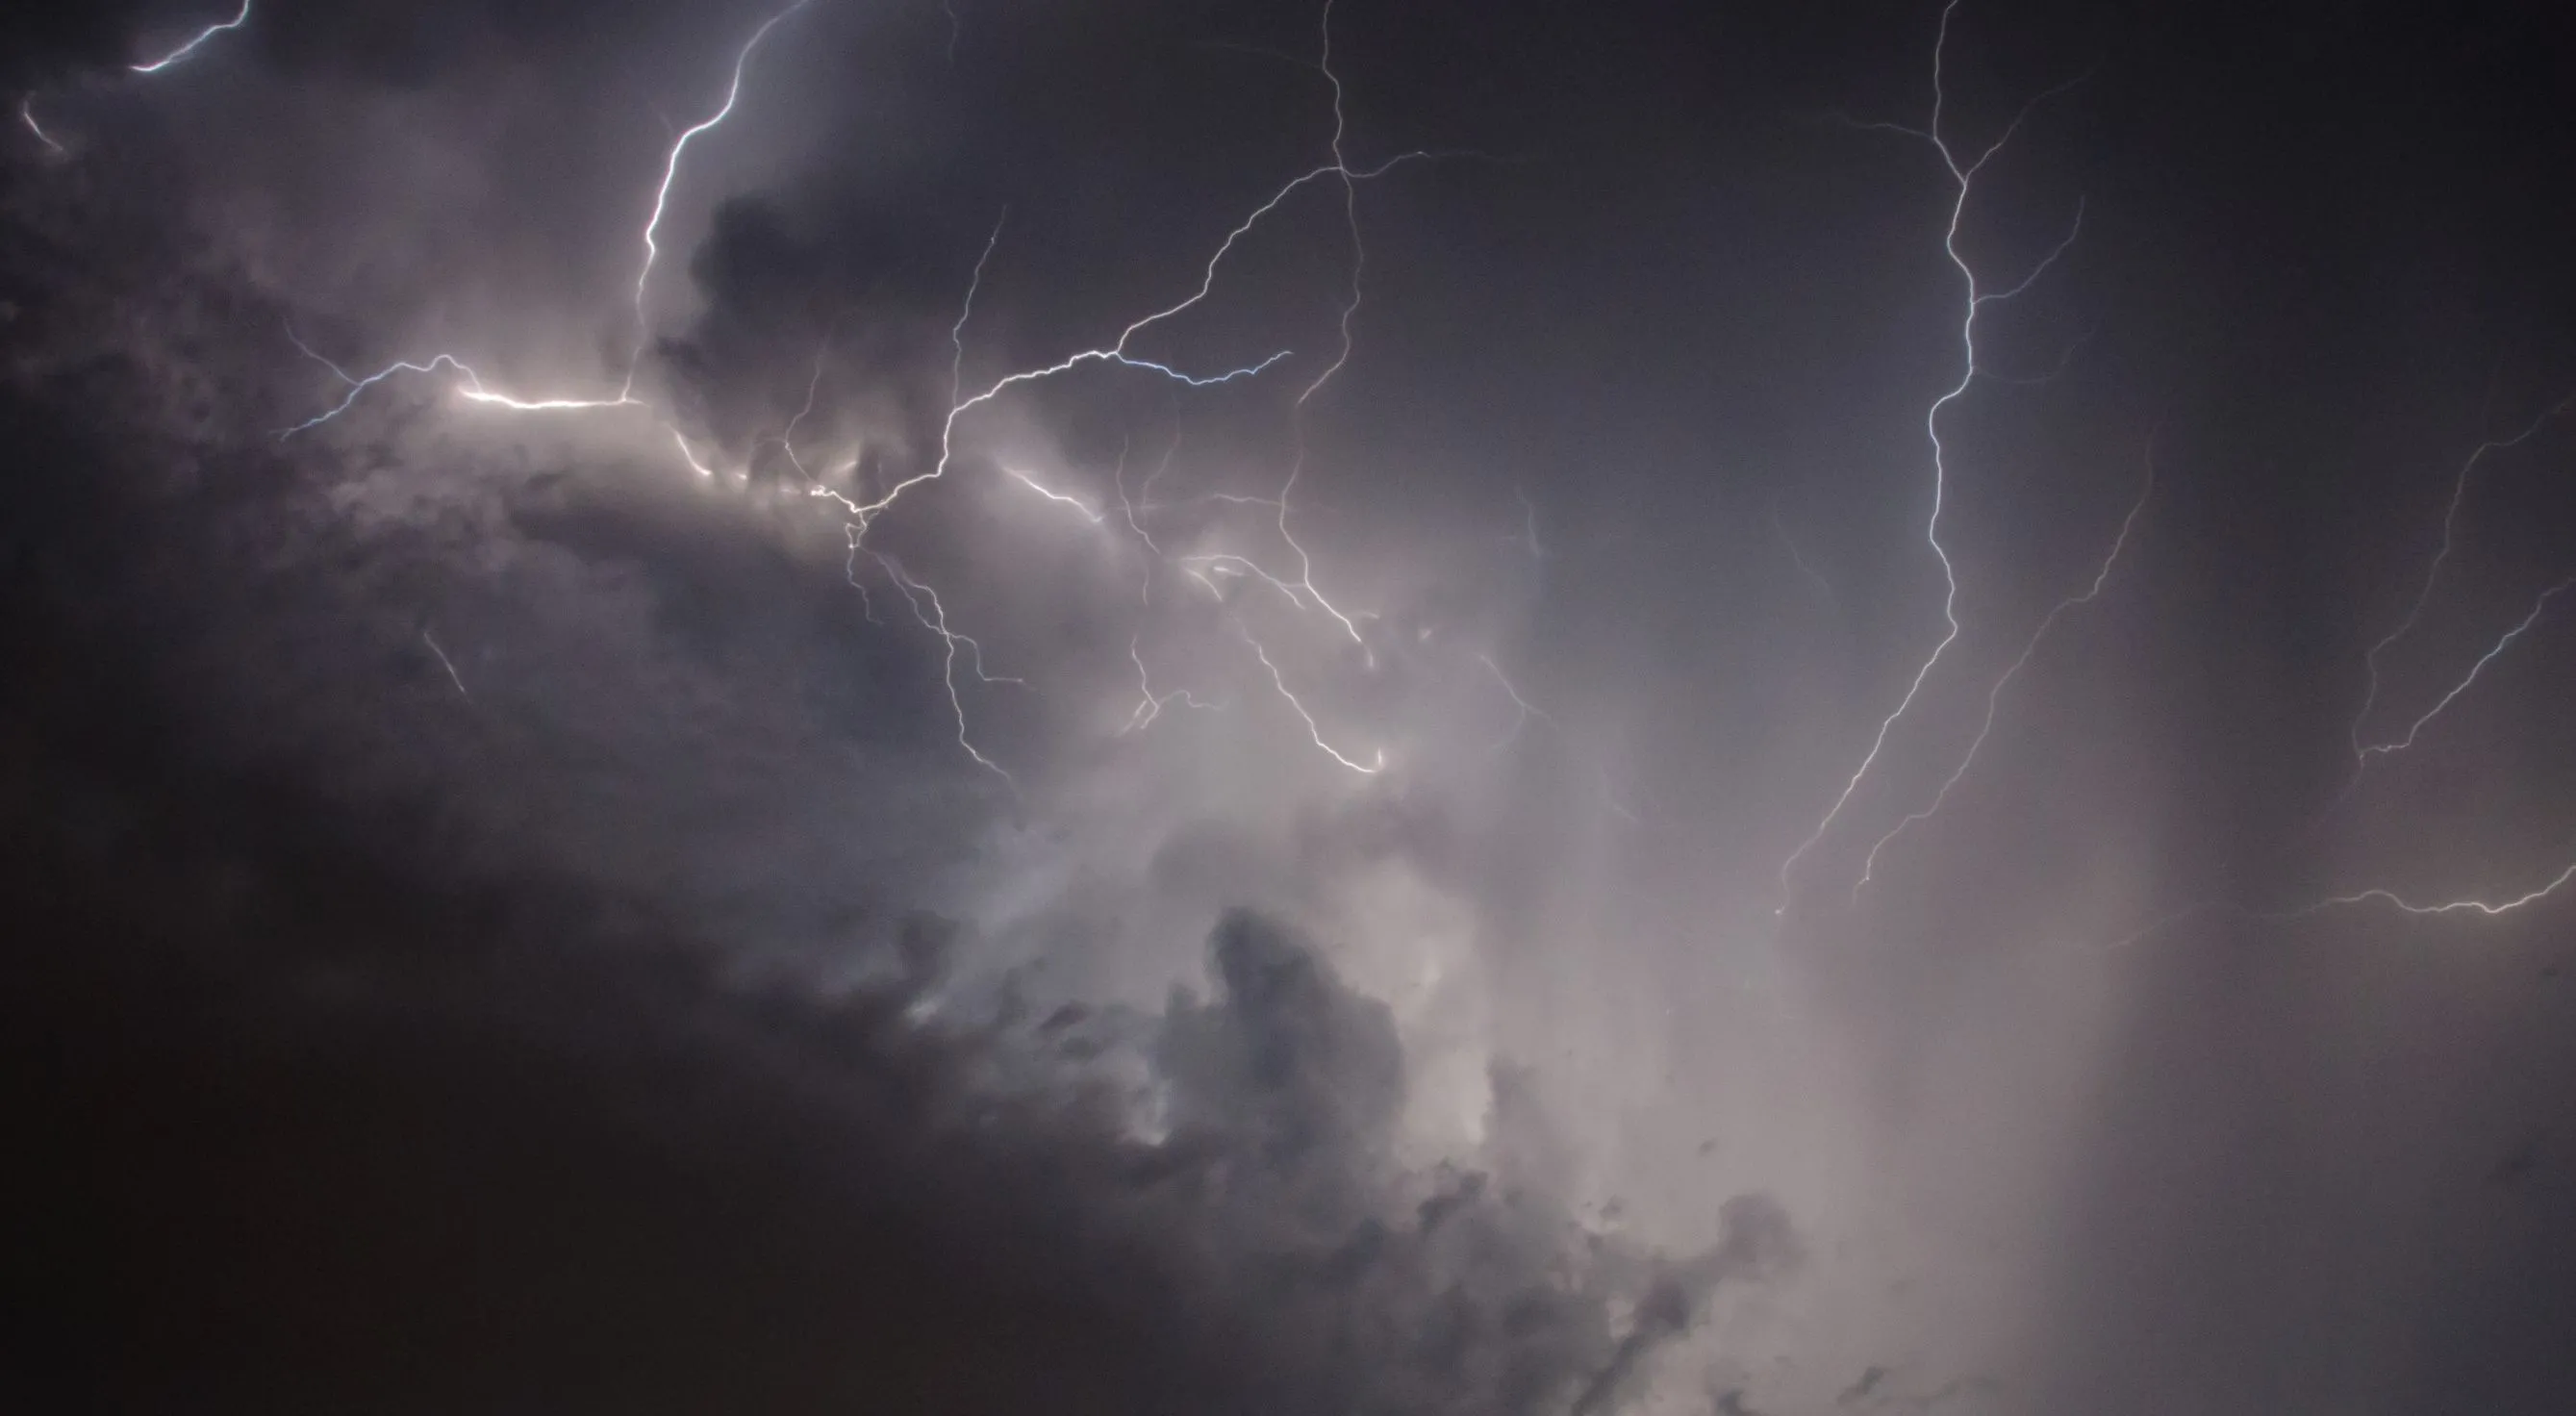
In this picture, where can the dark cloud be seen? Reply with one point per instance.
(511, 926)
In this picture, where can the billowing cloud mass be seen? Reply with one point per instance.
(1140, 707)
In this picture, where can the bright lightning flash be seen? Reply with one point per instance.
(1994, 696)
(1963, 177)
(191, 47)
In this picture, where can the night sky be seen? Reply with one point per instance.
(1189, 706)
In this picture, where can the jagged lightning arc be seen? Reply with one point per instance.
(27, 116)
(2362, 752)
(2416, 728)
(1963, 181)
(919, 596)
(1994, 695)
(671, 173)
(27, 102)
(1300, 589)
(195, 42)
(471, 386)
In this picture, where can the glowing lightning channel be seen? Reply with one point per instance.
(472, 388)
(2510, 635)
(936, 621)
(1797, 557)
(1370, 768)
(1080, 507)
(446, 663)
(1994, 696)
(671, 173)
(183, 51)
(27, 116)
(1963, 179)
(1150, 705)
(1341, 168)
(1526, 709)
(2375, 895)
(2471, 906)
(2432, 573)
(1301, 592)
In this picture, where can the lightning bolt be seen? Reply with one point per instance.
(1080, 507)
(2401, 744)
(1150, 704)
(936, 621)
(1963, 181)
(1522, 706)
(1123, 351)
(2361, 754)
(471, 387)
(2375, 895)
(671, 174)
(27, 116)
(1994, 695)
(1370, 768)
(203, 35)
(1301, 590)
(446, 663)
(1798, 558)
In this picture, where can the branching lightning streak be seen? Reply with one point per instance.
(2510, 635)
(183, 51)
(1963, 179)
(2432, 573)
(1341, 168)
(936, 621)
(1112, 354)
(1301, 591)
(1994, 695)
(863, 513)
(473, 388)
(1526, 709)
(671, 173)
(1150, 705)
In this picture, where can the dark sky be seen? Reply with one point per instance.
(1305, 867)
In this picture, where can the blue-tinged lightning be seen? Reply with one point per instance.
(191, 47)
(1994, 695)
(1963, 182)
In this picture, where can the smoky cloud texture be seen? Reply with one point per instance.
(534, 910)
